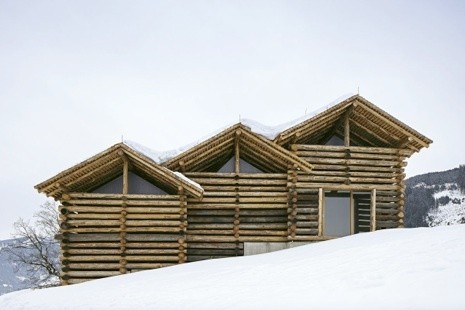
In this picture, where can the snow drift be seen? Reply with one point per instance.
(422, 268)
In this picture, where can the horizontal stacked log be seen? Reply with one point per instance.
(307, 214)
(110, 234)
(236, 208)
(359, 169)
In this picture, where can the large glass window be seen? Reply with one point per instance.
(136, 185)
(337, 214)
(245, 167)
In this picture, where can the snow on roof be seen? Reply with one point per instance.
(269, 132)
(183, 177)
(157, 156)
(160, 157)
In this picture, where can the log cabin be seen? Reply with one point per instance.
(247, 189)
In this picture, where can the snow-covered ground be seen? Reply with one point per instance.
(422, 268)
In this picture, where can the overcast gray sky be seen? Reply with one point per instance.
(77, 75)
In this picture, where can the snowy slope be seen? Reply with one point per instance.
(450, 207)
(422, 268)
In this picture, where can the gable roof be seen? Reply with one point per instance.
(216, 150)
(106, 165)
(369, 124)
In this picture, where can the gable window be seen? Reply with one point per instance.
(136, 185)
(335, 141)
(244, 166)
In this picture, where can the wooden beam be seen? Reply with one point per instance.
(320, 212)
(182, 166)
(404, 142)
(370, 135)
(237, 162)
(347, 129)
(373, 210)
(62, 187)
(313, 122)
(125, 175)
(295, 137)
(352, 213)
(395, 125)
(332, 131)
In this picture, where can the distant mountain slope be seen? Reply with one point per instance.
(13, 278)
(9, 280)
(436, 198)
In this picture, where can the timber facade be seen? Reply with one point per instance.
(336, 173)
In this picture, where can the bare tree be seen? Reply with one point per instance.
(35, 249)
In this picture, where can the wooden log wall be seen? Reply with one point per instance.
(359, 169)
(110, 234)
(236, 208)
(307, 214)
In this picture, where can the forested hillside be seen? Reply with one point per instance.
(436, 198)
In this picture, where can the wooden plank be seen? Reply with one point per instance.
(125, 175)
(118, 229)
(231, 175)
(354, 162)
(255, 182)
(320, 212)
(281, 199)
(237, 168)
(347, 129)
(355, 187)
(354, 149)
(243, 188)
(99, 202)
(105, 210)
(121, 196)
(93, 266)
(242, 206)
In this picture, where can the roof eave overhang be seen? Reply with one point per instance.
(240, 130)
(56, 185)
(413, 139)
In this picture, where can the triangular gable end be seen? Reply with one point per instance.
(369, 126)
(136, 185)
(245, 166)
(213, 153)
(107, 166)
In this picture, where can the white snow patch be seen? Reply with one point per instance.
(422, 268)
(186, 179)
(453, 212)
(421, 184)
(451, 190)
(156, 156)
(269, 132)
